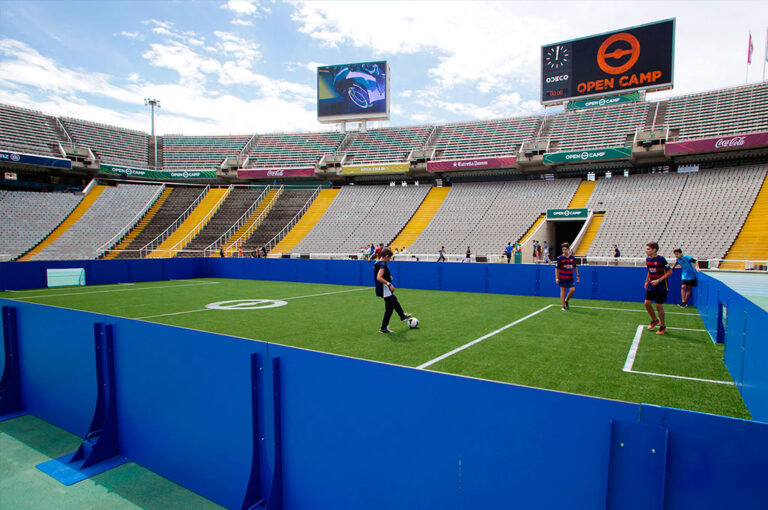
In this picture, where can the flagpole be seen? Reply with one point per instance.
(765, 56)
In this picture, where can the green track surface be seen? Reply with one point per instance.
(582, 350)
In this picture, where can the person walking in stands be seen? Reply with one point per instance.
(508, 252)
(468, 255)
(263, 252)
(616, 254)
(564, 270)
(690, 267)
(656, 285)
(221, 252)
(545, 253)
(377, 251)
(385, 289)
(533, 246)
(240, 252)
(441, 252)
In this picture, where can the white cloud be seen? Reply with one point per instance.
(128, 35)
(244, 9)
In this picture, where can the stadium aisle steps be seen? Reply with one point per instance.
(114, 252)
(307, 222)
(75, 215)
(751, 241)
(266, 204)
(202, 214)
(421, 217)
(533, 228)
(581, 197)
(590, 234)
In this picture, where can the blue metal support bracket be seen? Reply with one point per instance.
(253, 499)
(99, 450)
(10, 385)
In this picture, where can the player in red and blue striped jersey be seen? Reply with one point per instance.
(656, 285)
(564, 271)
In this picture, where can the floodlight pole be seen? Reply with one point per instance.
(152, 103)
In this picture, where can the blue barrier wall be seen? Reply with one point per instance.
(743, 331)
(360, 434)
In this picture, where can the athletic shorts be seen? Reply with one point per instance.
(690, 283)
(658, 295)
(568, 284)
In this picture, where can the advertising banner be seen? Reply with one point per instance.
(156, 174)
(471, 164)
(567, 214)
(29, 159)
(636, 58)
(587, 156)
(716, 144)
(272, 173)
(381, 168)
(602, 101)
(353, 92)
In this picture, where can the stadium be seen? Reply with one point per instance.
(264, 383)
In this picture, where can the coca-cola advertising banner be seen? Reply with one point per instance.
(717, 144)
(471, 164)
(272, 173)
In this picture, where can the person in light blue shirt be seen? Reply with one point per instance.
(690, 267)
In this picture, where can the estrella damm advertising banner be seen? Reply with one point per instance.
(555, 158)
(381, 168)
(636, 58)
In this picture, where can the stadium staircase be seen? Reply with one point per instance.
(421, 217)
(285, 208)
(70, 220)
(254, 220)
(128, 239)
(751, 241)
(590, 234)
(533, 229)
(307, 222)
(197, 220)
(581, 197)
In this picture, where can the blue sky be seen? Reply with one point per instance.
(240, 66)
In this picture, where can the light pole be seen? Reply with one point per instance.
(153, 103)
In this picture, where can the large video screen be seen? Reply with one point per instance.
(635, 58)
(353, 92)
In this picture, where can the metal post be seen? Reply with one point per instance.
(152, 103)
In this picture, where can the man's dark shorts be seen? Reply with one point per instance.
(658, 295)
(690, 283)
(566, 283)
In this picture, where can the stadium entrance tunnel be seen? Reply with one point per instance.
(564, 232)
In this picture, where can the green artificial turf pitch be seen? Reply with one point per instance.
(582, 350)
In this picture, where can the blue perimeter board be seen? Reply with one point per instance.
(189, 405)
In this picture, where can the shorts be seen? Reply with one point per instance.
(568, 284)
(690, 283)
(658, 295)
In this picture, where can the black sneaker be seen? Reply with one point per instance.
(567, 307)
(681, 305)
(662, 330)
(406, 317)
(386, 330)
(653, 324)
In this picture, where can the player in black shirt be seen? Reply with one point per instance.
(385, 289)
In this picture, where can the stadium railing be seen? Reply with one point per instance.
(157, 241)
(128, 226)
(197, 228)
(222, 240)
(280, 235)
(245, 235)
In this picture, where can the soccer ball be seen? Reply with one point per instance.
(413, 323)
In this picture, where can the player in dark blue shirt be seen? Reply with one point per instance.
(566, 267)
(385, 289)
(656, 285)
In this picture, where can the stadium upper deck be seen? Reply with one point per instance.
(732, 111)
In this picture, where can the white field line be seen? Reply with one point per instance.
(113, 290)
(485, 337)
(89, 286)
(282, 299)
(629, 310)
(632, 354)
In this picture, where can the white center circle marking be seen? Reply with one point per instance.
(246, 304)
